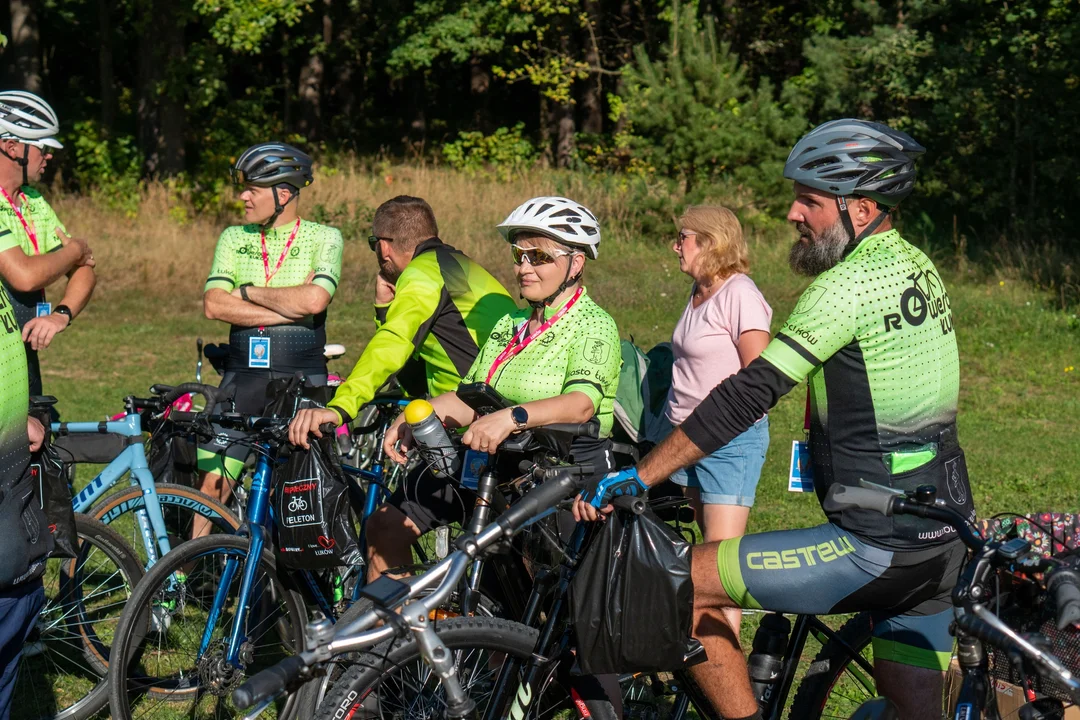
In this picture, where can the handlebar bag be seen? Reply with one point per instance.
(632, 598)
(50, 475)
(311, 505)
(172, 458)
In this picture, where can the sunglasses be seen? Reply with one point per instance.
(683, 237)
(373, 240)
(535, 256)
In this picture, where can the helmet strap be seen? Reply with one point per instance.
(845, 217)
(567, 282)
(278, 207)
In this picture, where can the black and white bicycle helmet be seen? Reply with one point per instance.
(559, 218)
(27, 118)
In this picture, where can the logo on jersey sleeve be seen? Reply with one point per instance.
(809, 299)
(596, 350)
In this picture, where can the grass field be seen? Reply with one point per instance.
(1020, 396)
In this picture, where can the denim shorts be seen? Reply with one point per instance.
(730, 475)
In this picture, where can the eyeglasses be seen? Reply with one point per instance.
(373, 240)
(536, 256)
(683, 237)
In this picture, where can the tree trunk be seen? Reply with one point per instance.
(25, 48)
(310, 92)
(626, 54)
(479, 85)
(545, 132)
(592, 104)
(565, 149)
(105, 67)
(160, 109)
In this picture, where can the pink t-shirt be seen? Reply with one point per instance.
(704, 342)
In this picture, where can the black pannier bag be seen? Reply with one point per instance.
(172, 458)
(54, 495)
(311, 502)
(633, 597)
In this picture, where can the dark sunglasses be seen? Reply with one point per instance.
(535, 256)
(373, 240)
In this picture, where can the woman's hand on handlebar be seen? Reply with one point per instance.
(307, 422)
(489, 431)
(398, 431)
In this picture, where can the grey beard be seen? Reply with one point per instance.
(821, 252)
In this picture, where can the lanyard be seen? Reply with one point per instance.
(266, 254)
(517, 344)
(18, 213)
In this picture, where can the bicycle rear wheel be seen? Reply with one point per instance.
(179, 507)
(64, 662)
(181, 668)
(835, 685)
(395, 682)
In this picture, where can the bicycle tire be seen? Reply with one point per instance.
(127, 681)
(130, 499)
(818, 695)
(355, 693)
(71, 618)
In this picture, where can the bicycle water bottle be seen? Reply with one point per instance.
(767, 656)
(432, 440)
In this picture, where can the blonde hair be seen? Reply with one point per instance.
(720, 239)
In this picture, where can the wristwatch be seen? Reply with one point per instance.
(520, 416)
(65, 310)
(243, 293)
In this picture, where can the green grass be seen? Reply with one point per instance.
(1019, 403)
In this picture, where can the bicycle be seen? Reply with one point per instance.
(995, 564)
(244, 613)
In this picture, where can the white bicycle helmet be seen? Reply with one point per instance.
(27, 118)
(560, 219)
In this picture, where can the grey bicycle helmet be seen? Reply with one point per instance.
(273, 165)
(27, 118)
(856, 157)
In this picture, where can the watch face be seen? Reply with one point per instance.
(519, 415)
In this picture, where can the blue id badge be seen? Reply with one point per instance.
(43, 308)
(474, 464)
(259, 352)
(800, 475)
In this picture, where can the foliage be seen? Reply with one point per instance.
(504, 151)
(692, 114)
(109, 168)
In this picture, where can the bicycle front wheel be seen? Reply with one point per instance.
(396, 683)
(836, 685)
(65, 659)
(173, 651)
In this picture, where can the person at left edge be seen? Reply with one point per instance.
(272, 281)
(28, 224)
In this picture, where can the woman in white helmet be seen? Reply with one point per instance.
(556, 361)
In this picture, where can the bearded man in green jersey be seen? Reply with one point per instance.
(35, 249)
(873, 335)
(272, 281)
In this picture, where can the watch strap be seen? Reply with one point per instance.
(65, 310)
(243, 293)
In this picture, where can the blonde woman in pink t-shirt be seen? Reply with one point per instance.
(724, 327)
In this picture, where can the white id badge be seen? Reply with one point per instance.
(800, 476)
(474, 464)
(44, 308)
(259, 352)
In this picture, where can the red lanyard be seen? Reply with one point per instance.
(517, 344)
(266, 254)
(29, 233)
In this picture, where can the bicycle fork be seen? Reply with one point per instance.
(459, 706)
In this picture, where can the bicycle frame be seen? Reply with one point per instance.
(132, 460)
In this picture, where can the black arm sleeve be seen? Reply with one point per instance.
(733, 406)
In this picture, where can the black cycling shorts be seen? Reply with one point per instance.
(825, 570)
(224, 455)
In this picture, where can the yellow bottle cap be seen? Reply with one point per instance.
(417, 411)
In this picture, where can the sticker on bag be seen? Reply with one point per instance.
(800, 473)
(300, 505)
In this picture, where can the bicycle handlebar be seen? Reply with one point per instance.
(172, 394)
(585, 430)
(448, 573)
(1064, 586)
(887, 502)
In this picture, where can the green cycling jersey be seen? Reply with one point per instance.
(315, 253)
(579, 353)
(874, 337)
(444, 308)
